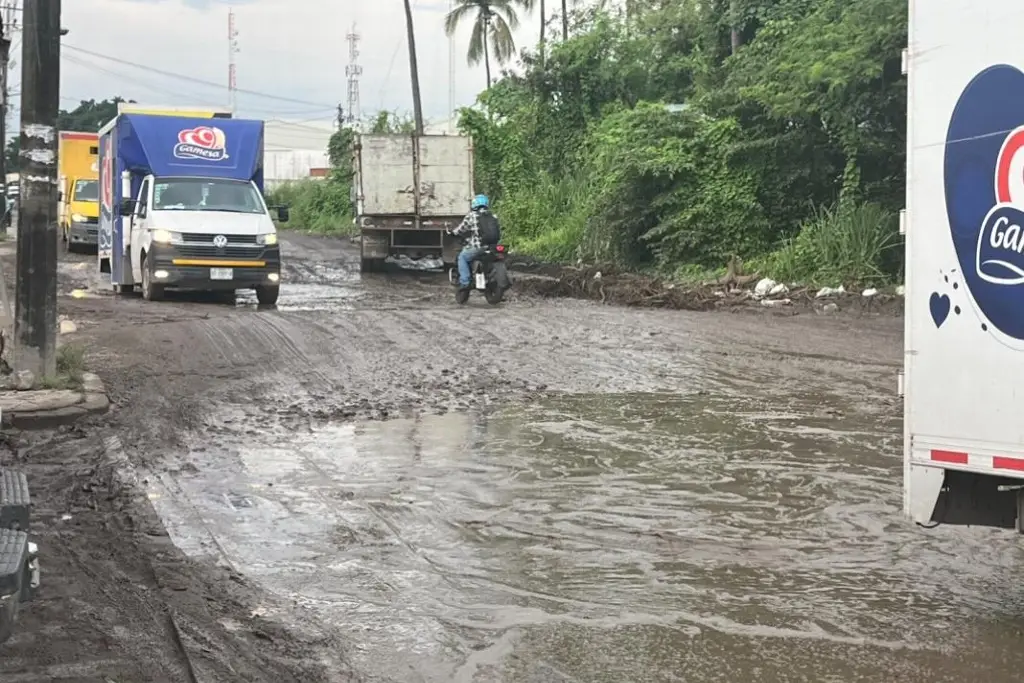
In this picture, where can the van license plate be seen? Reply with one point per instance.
(222, 273)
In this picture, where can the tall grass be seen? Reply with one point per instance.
(547, 220)
(318, 206)
(854, 244)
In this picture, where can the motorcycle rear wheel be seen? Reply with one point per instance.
(494, 294)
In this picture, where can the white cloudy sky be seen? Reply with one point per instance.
(292, 59)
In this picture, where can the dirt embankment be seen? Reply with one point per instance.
(612, 285)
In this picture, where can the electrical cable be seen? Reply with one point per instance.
(192, 79)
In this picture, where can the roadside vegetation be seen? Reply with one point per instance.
(70, 368)
(681, 134)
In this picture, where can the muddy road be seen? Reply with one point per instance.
(550, 490)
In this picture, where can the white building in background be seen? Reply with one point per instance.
(295, 150)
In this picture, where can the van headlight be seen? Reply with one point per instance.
(78, 218)
(165, 237)
(269, 239)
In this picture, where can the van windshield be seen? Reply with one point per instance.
(86, 191)
(206, 194)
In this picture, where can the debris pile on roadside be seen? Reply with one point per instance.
(614, 286)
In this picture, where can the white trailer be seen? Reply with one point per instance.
(963, 381)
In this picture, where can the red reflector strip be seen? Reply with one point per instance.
(952, 457)
(1003, 463)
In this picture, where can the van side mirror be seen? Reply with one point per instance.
(282, 214)
(127, 207)
(60, 195)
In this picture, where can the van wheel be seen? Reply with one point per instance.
(267, 294)
(151, 291)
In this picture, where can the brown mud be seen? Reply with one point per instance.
(369, 482)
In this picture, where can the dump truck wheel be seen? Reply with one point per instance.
(371, 265)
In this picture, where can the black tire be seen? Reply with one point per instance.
(494, 294)
(461, 296)
(151, 291)
(267, 295)
(371, 265)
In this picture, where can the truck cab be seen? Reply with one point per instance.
(81, 213)
(202, 233)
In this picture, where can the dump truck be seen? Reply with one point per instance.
(78, 198)
(181, 207)
(407, 190)
(964, 226)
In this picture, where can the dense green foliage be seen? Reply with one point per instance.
(688, 132)
(325, 206)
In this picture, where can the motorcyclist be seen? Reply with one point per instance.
(479, 229)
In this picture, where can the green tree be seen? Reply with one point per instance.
(493, 23)
(89, 116)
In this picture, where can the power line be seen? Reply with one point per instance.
(192, 79)
(79, 61)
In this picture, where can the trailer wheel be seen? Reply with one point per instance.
(151, 291)
(267, 295)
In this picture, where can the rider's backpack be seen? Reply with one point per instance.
(488, 228)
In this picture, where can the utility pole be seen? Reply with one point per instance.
(232, 67)
(35, 317)
(5, 55)
(353, 71)
(414, 72)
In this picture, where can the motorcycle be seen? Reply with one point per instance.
(489, 276)
(19, 557)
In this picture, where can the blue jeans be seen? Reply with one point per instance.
(466, 257)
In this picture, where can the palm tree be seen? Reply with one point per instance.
(493, 23)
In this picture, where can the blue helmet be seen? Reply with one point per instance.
(480, 202)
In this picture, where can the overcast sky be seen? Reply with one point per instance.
(292, 55)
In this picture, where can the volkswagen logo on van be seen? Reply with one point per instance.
(220, 241)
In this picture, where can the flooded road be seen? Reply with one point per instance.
(560, 491)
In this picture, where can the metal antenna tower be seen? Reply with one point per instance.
(353, 71)
(232, 67)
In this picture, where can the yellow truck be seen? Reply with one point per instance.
(78, 190)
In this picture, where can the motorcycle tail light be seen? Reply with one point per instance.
(500, 248)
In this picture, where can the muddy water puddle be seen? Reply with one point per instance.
(609, 538)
